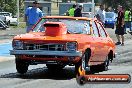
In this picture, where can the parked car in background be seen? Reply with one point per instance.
(10, 20)
(3, 25)
(3, 18)
(58, 41)
(110, 19)
(3, 22)
(13, 21)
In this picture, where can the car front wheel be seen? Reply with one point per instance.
(21, 66)
(82, 68)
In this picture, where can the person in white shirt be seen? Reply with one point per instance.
(101, 14)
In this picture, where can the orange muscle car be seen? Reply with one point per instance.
(58, 41)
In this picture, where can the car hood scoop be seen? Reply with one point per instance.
(55, 28)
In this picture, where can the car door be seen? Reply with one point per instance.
(103, 41)
(96, 44)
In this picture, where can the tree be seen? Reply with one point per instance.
(21, 5)
(9, 6)
(115, 3)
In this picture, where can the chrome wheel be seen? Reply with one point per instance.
(82, 67)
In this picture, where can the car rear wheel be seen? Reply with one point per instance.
(21, 66)
(82, 68)
(55, 66)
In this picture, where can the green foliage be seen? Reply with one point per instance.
(9, 6)
(115, 3)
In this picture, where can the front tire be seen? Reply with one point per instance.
(21, 66)
(82, 68)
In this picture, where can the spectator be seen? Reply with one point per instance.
(101, 14)
(32, 15)
(71, 11)
(78, 12)
(120, 26)
(127, 19)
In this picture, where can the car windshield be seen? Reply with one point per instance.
(73, 26)
(109, 15)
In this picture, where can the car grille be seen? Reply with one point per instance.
(48, 47)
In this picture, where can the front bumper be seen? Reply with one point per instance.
(42, 52)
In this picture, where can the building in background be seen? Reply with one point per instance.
(51, 7)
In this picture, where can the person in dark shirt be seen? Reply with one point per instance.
(120, 26)
(78, 12)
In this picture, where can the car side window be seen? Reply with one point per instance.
(95, 30)
(101, 30)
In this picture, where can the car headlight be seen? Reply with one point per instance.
(71, 46)
(17, 44)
